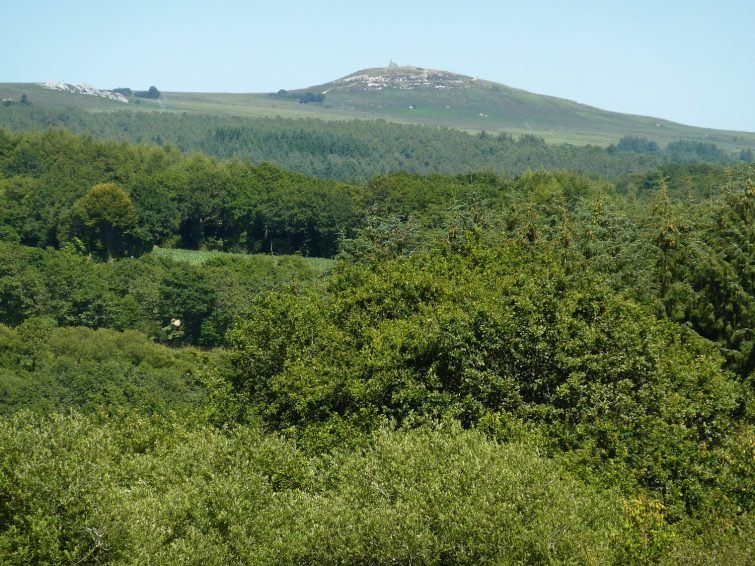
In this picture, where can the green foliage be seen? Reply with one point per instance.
(646, 534)
(152, 92)
(145, 294)
(47, 369)
(381, 239)
(48, 172)
(186, 296)
(685, 151)
(104, 220)
(720, 540)
(358, 150)
(609, 326)
(704, 268)
(635, 144)
(21, 291)
(450, 497)
(156, 492)
(144, 196)
(310, 97)
(485, 330)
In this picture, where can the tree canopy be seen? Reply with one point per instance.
(541, 367)
(104, 220)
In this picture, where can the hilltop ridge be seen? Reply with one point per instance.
(416, 95)
(403, 78)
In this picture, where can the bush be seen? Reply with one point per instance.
(484, 332)
(141, 491)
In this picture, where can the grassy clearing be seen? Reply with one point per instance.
(198, 257)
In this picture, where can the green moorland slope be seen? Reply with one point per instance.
(356, 151)
(418, 96)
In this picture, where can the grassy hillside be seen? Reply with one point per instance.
(58, 100)
(420, 96)
(414, 94)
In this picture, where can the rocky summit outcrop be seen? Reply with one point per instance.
(402, 78)
(84, 89)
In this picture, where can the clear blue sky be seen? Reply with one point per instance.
(690, 61)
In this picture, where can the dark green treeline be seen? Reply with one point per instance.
(358, 150)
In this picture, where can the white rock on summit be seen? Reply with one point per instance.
(83, 88)
(407, 79)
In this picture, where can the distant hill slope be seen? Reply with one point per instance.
(415, 94)
(412, 95)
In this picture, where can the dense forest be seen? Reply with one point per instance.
(358, 150)
(209, 359)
